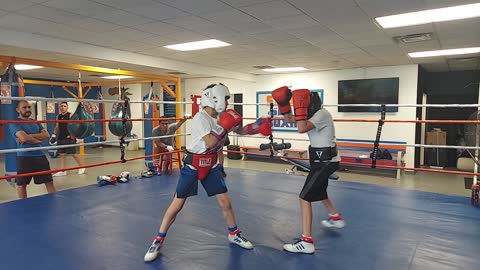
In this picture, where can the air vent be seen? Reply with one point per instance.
(263, 67)
(414, 38)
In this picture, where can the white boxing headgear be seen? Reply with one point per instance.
(214, 95)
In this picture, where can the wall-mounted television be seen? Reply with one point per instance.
(368, 91)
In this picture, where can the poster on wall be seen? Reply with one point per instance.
(6, 91)
(169, 110)
(264, 110)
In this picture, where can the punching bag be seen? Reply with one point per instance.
(116, 128)
(99, 113)
(11, 86)
(52, 112)
(85, 129)
(150, 110)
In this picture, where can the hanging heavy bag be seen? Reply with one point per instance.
(84, 129)
(116, 128)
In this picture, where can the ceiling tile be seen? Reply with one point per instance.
(311, 32)
(145, 8)
(290, 43)
(274, 36)
(378, 8)
(93, 25)
(353, 26)
(122, 18)
(294, 22)
(159, 51)
(216, 31)
(84, 7)
(374, 42)
(252, 28)
(271, 10)
(197, 6)
(242, 3)
(133, 46)
(186, 36)
(14, 5)
(49, 14)
(127, 33)
(25, 24)
(158, 40)
(341, 51)
(158, 28)
(228, 17)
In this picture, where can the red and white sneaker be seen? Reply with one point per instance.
(335, 221)
(238, 239)
(302, 245)
(154, 249)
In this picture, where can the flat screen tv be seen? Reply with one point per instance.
(368, 91)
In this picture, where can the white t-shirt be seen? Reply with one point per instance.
(323, 135)
(202, 123)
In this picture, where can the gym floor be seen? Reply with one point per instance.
(431, 182)
(111, 227)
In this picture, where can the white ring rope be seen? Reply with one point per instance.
(53, 147)
(378, 105)
(256, 104)
(353, 142)
(91, 100)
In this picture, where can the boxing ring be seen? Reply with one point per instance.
(109, 228)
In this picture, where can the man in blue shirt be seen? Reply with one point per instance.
(30, 135)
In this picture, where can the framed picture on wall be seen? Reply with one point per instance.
(264, 110)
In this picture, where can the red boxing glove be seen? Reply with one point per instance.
(262, 126)
(301, 101)
(227, 121)
(282, 96)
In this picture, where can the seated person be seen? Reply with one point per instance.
(164, 144)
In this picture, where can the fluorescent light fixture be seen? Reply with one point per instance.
(445, 52)
(198, 45)
(26, 67)
(285, 69)
(117, 77)
(429, 16)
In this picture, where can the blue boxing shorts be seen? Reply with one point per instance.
(213, 184)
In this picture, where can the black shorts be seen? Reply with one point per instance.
(315, 187)
(33, 164)
(67, 150)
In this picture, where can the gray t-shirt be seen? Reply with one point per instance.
(323, 135)
(170, 131)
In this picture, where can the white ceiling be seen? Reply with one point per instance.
(316, 34)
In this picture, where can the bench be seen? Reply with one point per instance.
(256, 149)
(352, 152)
(358, 152)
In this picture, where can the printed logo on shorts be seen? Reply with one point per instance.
(319, 154)
(205, 162)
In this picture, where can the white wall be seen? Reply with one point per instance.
(328, 81)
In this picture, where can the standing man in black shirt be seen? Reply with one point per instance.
(61, 136)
